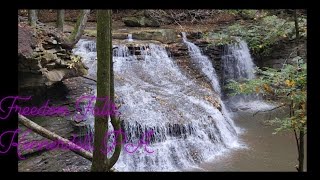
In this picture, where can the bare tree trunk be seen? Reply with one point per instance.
(52, 136)
(301, 151)
(300, 143)
(114, 120)
(60, 19)
(32, 17)
(79, 27)
(296, 24)
(104, 55)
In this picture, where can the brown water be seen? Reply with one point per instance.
(265, 151)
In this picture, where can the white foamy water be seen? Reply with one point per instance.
(155, 95)
(238, 65)
(130, 37)
(238, 62)
(203, 63)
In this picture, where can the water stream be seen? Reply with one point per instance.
(190, 123)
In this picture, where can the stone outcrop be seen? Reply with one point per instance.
(42, 59)
(282, 52)
(165, 36)
(140, 21)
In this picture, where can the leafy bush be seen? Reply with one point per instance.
(289, 85)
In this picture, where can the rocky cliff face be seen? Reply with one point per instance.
(283, 52)
(42, 61)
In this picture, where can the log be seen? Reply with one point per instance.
(54, 137)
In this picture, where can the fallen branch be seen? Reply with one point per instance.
(54, 137)
(269, 109)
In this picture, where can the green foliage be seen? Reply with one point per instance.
(267, 32)
(222, 38)
(232, 11)
(260, 35)
(289, 85)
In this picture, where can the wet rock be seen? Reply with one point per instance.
(165, 36)
(119, 35)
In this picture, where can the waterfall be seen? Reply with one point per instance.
(190, 123)
(203, 63)
(206, 67)
(237, 62)
(238, 65)
(130, 37)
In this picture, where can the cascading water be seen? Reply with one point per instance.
(238, 65)
(237, 62)
(203, 63)
(130, 37)
(154, 95)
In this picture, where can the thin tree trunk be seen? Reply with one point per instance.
(114, 120)
(104, 55)
(54, 137)
(79, 28)
(301, 132)
(296, 24)
(32, 17)
(60, 19)
(301, 151)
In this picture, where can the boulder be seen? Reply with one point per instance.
(140, 21)
(42, 61)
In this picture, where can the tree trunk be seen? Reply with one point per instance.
(32, 17)
(60, 19)
(78, 29)
(296, 25)
(301, 151)
(54, 137)
(104, 55)
(114, 120)
(300, 143)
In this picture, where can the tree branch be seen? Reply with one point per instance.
(269, 109)
(54, 137)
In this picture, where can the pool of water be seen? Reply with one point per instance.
(264, 151)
